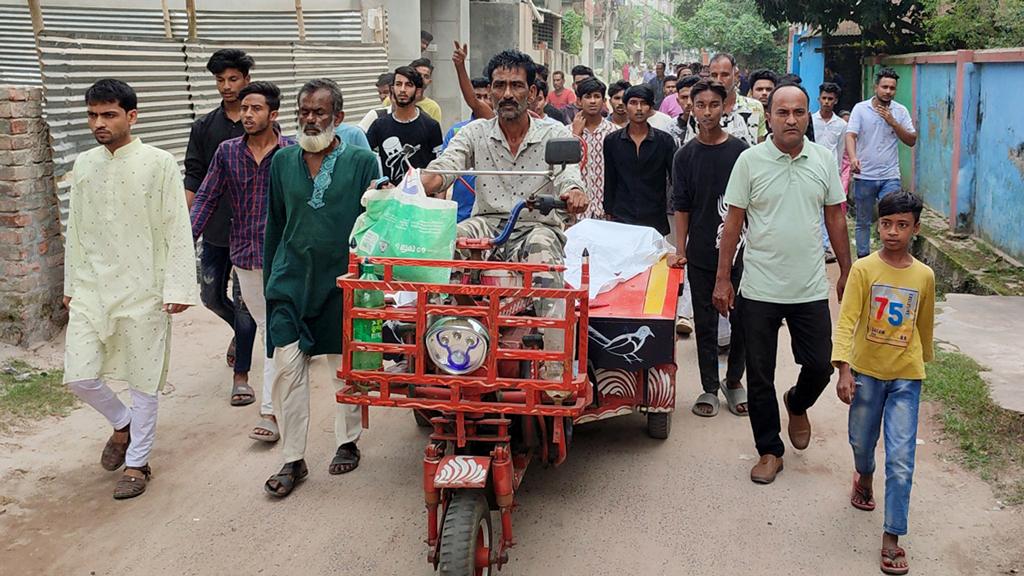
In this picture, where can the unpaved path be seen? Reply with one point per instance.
(622, 503)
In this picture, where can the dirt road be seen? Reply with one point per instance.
(622, 503)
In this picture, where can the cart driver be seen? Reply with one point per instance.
(514, 141)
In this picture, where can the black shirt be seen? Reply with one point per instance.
(635, 183)
(388, 138)
(700, 174)
(207, 134)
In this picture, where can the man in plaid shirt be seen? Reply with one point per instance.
(241, 170)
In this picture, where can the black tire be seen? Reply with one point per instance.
(422, 420)
(467, 521)
(659, 425)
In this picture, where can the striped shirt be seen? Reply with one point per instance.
(234, 171)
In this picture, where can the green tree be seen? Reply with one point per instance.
(974, 24)
(572, 32)
(735, 26)
(893, 24)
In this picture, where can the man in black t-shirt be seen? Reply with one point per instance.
(700, 173)
(406, 135)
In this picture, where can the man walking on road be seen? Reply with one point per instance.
(408, 134)
(700, 173)
(231, 68)
(762, 83)
(742, 117)
(829, 131)
(618, 115)
(314, 198)
(657, 84)
(129, 264)
(637, 167)
(592, 128)
(779, 188)
(876, 128)
(560, 96)
(241, 171)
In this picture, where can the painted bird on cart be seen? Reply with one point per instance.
(625, 345)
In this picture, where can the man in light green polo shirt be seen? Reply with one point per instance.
(780, 187)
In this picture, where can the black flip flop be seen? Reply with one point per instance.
(291, 474)
(346, 459)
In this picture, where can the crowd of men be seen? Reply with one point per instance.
(750, 189)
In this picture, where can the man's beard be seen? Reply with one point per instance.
(507, 113)
(315, 143)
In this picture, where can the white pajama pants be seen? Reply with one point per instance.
(251, 284)
(141, 416)
(684, 309)
(291, 402)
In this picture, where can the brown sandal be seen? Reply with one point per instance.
(133, 482)
(889, 558)
(114, 451)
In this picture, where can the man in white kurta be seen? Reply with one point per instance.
(129, 263)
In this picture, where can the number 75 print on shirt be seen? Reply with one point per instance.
(893, 315)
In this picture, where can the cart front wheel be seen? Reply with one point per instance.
(466, 536)
(659, 425)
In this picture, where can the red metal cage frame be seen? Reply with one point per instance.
(462, 394)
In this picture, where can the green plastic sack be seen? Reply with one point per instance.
(404, 222)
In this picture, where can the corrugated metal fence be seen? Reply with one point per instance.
(19, 63)
(174, 86)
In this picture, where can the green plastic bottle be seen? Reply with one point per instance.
(365, 330)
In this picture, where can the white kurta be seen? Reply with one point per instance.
(128, 251)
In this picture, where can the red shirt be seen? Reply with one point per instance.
(561, 101)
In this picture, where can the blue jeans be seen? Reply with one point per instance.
(215, 271)
(865, 194)
(897, 401)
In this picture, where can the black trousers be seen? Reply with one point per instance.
(810, 329)
(705, 320)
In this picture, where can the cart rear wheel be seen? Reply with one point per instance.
(466, 536)
(659, 424)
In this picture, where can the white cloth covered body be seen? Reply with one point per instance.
(251, 284)
(617, 252)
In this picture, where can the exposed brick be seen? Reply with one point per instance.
(6, 110)
(15, 93)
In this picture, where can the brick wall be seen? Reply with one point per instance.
(31, 247)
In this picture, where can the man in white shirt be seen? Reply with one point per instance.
(829, 130)
(876, 128)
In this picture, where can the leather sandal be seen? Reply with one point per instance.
(115, 450)
(133, 482)
(281, 484)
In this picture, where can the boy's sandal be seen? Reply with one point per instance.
(706, 399)
(133, 482)
(115, 450)
(242, 395)
(734, 397)
(860, 497)
(270, 431)
(281, 484)
(889, 558)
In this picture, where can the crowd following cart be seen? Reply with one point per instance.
(470, 353)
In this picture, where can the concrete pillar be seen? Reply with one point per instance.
(447, 20)
(31, 249)
(965, 142)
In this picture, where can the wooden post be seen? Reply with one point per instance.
(190, 8)
(168, 31)
(299, 20)
(37, 16)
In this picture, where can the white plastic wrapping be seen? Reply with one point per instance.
(617, 251)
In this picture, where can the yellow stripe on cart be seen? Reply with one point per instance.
(657, 288)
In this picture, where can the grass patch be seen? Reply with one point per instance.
(29, 393)
(990, 438)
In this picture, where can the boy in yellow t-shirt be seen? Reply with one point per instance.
(881, 342)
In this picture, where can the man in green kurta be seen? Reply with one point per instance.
(128, 264)
(313, 201)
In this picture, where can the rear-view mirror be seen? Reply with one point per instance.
(562, 151)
